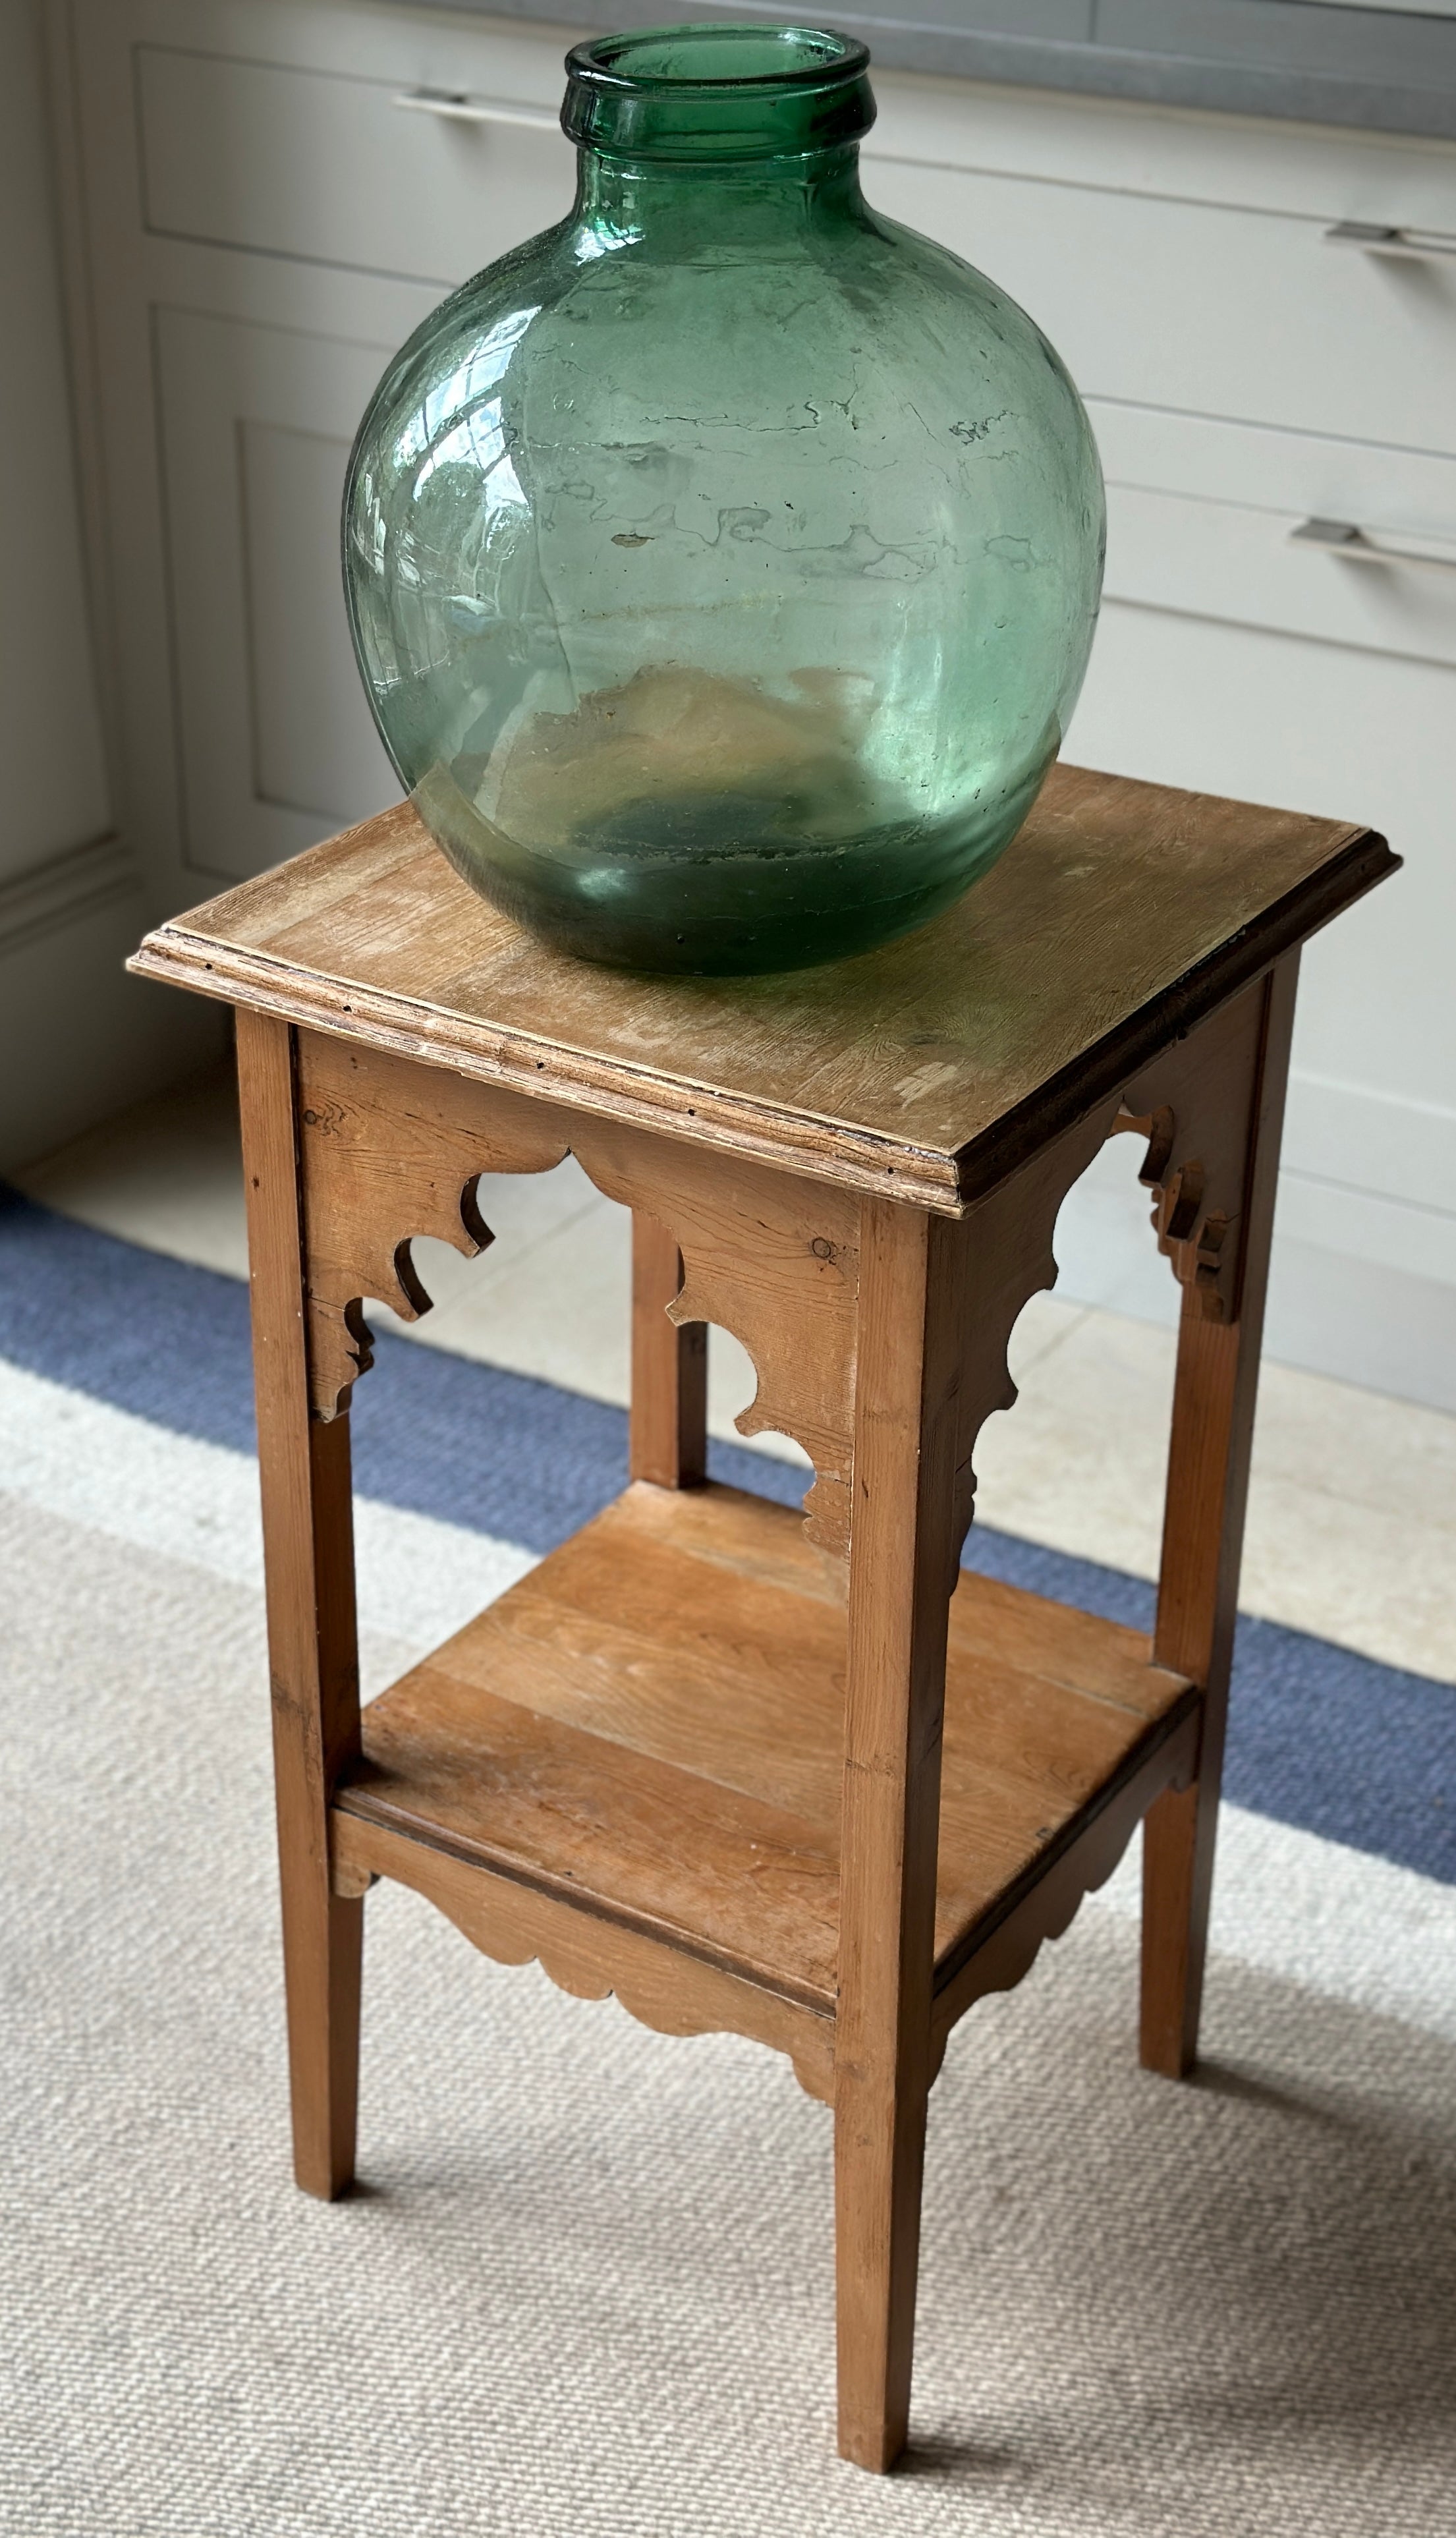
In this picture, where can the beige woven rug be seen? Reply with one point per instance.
(586, 2293)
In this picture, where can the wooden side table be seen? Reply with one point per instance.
(793, 1777)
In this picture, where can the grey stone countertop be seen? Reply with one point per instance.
(1378, 69)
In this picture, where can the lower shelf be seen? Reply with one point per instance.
(633, 1761)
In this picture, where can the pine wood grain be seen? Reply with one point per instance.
(592, 1958)
(1213, 1399)
(389, 1150)
(1041, 1904)
(650, 1725)
(668, 1438)
(1122, 914)
(1196, 1102)
(308, 1551)
(902, 1564)
(687, 1758)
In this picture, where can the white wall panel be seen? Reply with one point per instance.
(1364, 1282)
(277, 745)
(50, 735)
(315, 748)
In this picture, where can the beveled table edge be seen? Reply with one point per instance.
(804, 1142)
(812, 1144)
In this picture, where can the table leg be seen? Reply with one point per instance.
(1213, 1399)
(669, 1366)
(901, 1569)
(308, 1554)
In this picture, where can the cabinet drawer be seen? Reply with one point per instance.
(1249, 314)
(305, 162)
(1202, 517)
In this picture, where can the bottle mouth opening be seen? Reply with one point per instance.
(717, 91)
(669, 60)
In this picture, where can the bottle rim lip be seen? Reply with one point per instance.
(828, 59)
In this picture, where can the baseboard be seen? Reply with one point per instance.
(1371, 1142)
(1389, 1329)
(79, 1040)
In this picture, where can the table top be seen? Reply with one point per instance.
(927, 1070)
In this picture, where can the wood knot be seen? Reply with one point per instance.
(328, 1120)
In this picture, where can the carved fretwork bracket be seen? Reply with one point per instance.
(1006, 1257)
(676, 1993)
(389, 1151)
(773, 1259)
(1194, 1107)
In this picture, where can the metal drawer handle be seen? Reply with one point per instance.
(454, 107)
(1375, 241)
(1342, 538)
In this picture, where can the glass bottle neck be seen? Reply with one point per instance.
(683, 207)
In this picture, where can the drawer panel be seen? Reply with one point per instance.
(1209, 308)
(1247, 314)
(1201, 518)
(304, 162)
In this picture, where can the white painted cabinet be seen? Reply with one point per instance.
(76, 1034)
(348, 170)
(300, 180)
(1219, 308)
(278, 747)
(1364, 1281)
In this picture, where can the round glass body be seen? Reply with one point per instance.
(723, 563)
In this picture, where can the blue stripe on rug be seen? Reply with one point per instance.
(1319, 1737)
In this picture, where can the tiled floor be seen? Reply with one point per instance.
(1353, 1509)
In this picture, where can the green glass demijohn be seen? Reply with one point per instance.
(723, 563)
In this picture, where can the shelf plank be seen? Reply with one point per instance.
(649, 1726)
